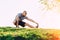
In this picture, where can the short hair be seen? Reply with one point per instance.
(25, 12)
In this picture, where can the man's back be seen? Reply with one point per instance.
(21, 17)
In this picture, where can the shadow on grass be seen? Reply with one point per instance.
(19, 38)
(29, 37)
(12, 38)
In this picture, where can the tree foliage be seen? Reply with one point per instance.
(50, 4)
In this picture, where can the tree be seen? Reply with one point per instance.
(50, 4)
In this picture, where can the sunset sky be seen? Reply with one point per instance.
(46, 16)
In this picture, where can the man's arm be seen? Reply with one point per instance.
(17, 20)
(32, 21)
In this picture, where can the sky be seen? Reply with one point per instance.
(46, 18)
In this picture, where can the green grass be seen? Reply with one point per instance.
(8, 33)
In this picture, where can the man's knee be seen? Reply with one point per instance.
(26, 24)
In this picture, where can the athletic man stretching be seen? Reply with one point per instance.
(21, 16)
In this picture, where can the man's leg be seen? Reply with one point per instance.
(15, 23)
(26, 24)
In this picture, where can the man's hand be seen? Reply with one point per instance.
(37, 25)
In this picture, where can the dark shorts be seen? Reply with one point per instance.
(21, 23)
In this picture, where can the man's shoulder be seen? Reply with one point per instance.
(26, 17)
(19, 14)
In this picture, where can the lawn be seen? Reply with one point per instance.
(8, 33)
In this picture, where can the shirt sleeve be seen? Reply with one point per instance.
(26, 17)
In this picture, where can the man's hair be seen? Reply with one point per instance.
(25, 12)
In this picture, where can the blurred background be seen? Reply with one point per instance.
(45, 12)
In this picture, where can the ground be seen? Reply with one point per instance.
(9, 33)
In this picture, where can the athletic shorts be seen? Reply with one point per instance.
(21, 23)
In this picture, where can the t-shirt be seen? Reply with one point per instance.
(21, 17)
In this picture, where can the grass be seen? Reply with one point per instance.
(8, 33)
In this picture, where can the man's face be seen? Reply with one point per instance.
(24, 13)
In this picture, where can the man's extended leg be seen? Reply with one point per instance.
(26, 24)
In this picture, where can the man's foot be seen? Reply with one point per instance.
(17, 27)
(36, 26)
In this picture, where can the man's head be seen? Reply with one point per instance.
(24, 13)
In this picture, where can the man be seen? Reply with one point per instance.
(21, 16)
